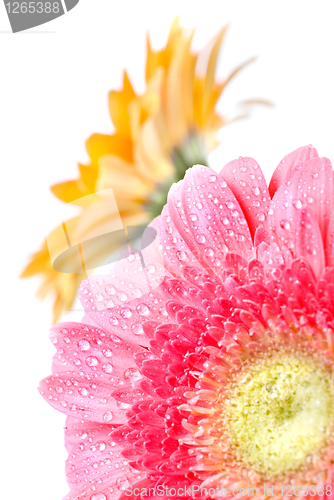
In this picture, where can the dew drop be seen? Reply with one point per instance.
(201, 238)
(208, 252)
(113, 320)
(151, 268)
(193, 217)
(212, 178)
(107, 368)
(107, 416)
(132, 374)
(98, 297)
(285, 224)
(115, 339)
(181, 255)
(143, 310)
(297, 204)
(91, 361)
(256, 191)
(199, 205)
(122, 296)
(137, 329)
(83, 345)
(126, 313)
(110, 290)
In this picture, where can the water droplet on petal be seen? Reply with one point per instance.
(132, 374)
(212, 178)
(199, 205)
(285, 224)
(99, 297)
(126, 313)
(107, 368)
(122, 296)
(143, 310)
(107, 416)
(201, 238)
(83, 391)
(297, 204)
(110, 290)
(181, 255)
(91, 361)
(115, 339)
(83, 345)
(256, 191)
(208, 252)
(137, 329)
(151, 268)
(193, 217)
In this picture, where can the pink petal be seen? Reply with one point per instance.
(246, 180)
(329, 243)
(309, 242)
(84, 396)
(78, 430)
(209, 218)
(124, 321)
(95, 468)
(309, 185)
(289, 163)
(78, 344)
(176, 251)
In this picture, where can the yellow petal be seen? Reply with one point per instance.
(118, 106)
(67, 191)
(210, 74)
(99, 145)
(123, 178)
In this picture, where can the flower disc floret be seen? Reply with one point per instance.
(281, 411)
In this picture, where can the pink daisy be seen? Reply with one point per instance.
(216, 378)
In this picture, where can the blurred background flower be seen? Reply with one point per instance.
(158, 135)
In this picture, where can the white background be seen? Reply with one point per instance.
(53, 95)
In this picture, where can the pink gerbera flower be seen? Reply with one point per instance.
(219, 380)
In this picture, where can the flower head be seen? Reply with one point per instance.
(158, 135)
(223, 376)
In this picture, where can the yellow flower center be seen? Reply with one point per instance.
(280, 413)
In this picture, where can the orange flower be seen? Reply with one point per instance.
(158, 135)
